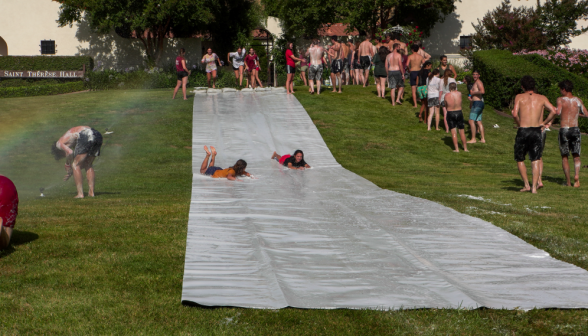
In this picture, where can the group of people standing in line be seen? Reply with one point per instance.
(391, 65)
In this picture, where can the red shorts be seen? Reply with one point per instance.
(8, 202)
(283, 158)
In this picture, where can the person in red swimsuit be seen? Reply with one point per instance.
(8, 210)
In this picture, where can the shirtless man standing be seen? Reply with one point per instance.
(570, 107)
(528, 113)
(394, 39)
(415, 63)
(345, 56)
(422, 52)
(395, 73)
(477, 98)
(315, 71)
(455, 116)
(350, 57)
(366, 52)
(8, 210)
(336, 63)
(86, 142)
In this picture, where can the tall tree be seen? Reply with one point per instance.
(302, 18)
(371, 15)
(557, 20)
(152, 21)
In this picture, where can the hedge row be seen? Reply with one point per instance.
(153, 79)
(501, 72)
(42, 90)
(53, 63)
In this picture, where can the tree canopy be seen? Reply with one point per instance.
(302, 18)
(551, 24)
(154, 20)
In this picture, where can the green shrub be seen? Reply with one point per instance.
(153, 79)
(42, 90)
(501, 73)
(53, 63)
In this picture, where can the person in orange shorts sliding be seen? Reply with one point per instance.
(230, 173)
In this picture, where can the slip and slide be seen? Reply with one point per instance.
(327, 238)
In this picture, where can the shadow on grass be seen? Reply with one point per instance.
(518, 185)
(557, 180)
(18, 238)
(448, 140)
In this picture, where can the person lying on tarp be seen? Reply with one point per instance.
(230, 173)
(8, 210)
(295, 161)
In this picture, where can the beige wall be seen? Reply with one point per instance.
(273, 25)
(25, 23)
(444, 38)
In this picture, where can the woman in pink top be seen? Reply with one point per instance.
(182, 72)
(290, 67)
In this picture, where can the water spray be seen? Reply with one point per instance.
(41, 190)
(107, 132)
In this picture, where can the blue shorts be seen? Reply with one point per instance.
(211, 170)
(476, 111)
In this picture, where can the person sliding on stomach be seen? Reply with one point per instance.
(86, 142)
(295, 161)
(216, 172)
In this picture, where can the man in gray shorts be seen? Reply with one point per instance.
(570, 138)
(315, 71)
(395, 73)
(86, 143)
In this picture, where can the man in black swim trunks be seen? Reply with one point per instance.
(86, 142)
(570, 138)
(455, 116)
(528, 113)
(366, 52)
(336, 63)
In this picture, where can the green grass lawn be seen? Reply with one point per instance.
(114, 264)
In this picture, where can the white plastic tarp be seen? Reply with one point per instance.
(328, 238)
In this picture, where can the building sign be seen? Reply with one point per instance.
(40, 74)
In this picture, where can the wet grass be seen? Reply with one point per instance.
(114, 264)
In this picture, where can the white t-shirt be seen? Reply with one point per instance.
(238, 60)
(446, 87)
(433, 87)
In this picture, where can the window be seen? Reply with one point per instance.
(47, 47)
(465, 42)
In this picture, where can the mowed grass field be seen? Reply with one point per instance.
(113, 264)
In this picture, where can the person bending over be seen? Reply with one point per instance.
(295, 161)
(454, 116)
(528, 113)
(8, 210)
(230, 173)
(86, 142)
(570, 107)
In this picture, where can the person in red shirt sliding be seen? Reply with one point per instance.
(290, 67)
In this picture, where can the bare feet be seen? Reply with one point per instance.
(466, 150)
(525, 189)
(534, 191)
(274, 155)
(577, 183)
(213, 150)
(91, 194)
(472, 141)
(539, 185)
(206, 150)
(79, 196)
(483, 141)
(456, 151)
